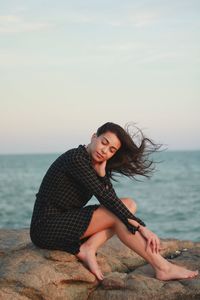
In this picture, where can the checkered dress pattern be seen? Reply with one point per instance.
(60, 216)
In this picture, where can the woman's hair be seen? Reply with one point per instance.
(131, 159)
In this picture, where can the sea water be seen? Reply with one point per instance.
(168, 202)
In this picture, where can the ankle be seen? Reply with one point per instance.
(164, 267)
(87, 247)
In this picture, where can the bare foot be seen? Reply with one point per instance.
(88, 257)
(173, 271)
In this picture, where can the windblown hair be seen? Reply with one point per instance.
(131, 159)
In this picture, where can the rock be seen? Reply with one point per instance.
(27, 272)
(33, 273)
(12, 240)
(141, 284)
(114, 281)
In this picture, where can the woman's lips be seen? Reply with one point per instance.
(99, 155)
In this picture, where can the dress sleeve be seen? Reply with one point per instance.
(79, 167)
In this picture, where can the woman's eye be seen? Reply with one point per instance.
(112, 151)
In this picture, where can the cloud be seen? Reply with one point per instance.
(130, 18)
(15, 24)
(121, 47)
(160, 57)
(80, 17)
(135, 19)
(143, 19)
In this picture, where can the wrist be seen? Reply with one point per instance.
(101, 174)
(140, 228)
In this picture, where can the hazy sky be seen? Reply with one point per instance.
(66, 67)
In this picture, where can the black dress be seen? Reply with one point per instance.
(60, 216)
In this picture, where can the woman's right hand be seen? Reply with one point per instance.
(152, 239)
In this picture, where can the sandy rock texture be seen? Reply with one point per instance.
(27, 272)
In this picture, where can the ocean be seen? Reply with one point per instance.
(168, 202)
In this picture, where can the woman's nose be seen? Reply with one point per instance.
(103, 150)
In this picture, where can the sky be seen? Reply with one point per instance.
(67, 67)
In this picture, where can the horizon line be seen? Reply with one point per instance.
(60, 152)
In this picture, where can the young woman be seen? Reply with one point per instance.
(61, 220)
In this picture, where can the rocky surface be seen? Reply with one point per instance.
(27, 272)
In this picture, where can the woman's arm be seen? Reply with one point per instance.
(79, 167)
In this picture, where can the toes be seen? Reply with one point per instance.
(192, 275)
(195, 273)
(100, 275)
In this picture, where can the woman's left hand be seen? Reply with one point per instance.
(100, 168)
(152, 239)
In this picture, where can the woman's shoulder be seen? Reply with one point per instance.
(80, 149)
(78, 152)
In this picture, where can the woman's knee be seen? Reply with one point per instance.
(130, 204)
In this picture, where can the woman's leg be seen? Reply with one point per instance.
(163, 268)
(88, 249)
(103, 219)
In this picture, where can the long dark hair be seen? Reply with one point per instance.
(131, 159)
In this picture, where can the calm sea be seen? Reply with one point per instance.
(168, 202)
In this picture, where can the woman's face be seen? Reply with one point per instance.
(103, 147)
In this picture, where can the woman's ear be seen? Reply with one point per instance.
(93, 136)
